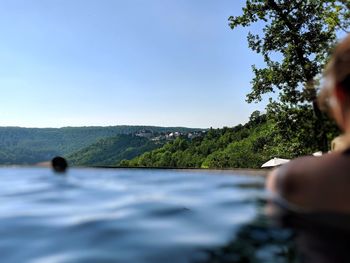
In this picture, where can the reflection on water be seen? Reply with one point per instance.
(101, 215)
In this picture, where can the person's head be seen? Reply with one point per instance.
(336, 91)
(59, 164)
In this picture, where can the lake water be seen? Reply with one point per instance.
(132, 215)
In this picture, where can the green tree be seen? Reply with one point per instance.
(300, 34)
(256, 118)
(303, 32)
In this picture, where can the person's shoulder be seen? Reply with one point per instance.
(310, 165)
(300, 173)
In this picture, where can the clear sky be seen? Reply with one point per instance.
(116, 62)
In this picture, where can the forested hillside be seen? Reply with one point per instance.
(274, 134)
(110, 151)
(243, 146)
(32, 145)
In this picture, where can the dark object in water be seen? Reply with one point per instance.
(59, 164)
(321, 237)
(256, 242)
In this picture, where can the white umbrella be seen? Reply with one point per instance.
(275, 162)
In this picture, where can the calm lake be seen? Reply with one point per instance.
(136, 215)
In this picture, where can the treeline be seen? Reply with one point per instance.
(110, 151)
(243, 146)
(33, 145)
(278, 133)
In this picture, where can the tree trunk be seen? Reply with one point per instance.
(319, 128)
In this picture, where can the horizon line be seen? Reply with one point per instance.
(104, 126)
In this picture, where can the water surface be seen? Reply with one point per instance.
(132, 215)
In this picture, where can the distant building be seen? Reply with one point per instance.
(158, 138)
(195, 135)
(145, 134)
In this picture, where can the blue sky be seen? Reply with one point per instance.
(116, 62)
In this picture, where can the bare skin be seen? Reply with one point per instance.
(315, 183)
(318, 183)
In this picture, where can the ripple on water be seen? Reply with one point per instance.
(106, 215)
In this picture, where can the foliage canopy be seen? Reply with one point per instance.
(300, 34)
(296, 40)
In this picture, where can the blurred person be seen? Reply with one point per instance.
(312, 194)
(59, 164)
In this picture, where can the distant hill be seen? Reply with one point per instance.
(243, 146)
(110, 151)
(32, 145)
